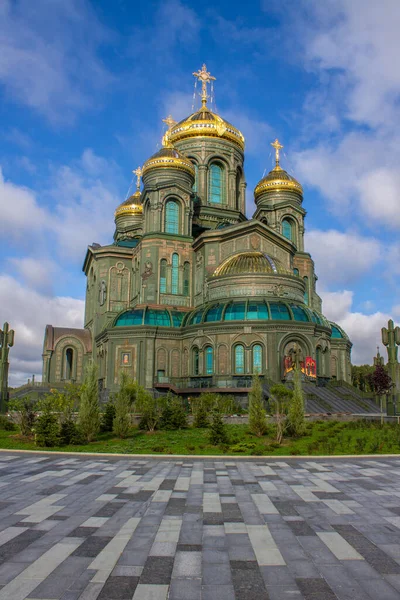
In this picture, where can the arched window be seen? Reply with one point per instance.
(186, 279)
(195, 187)
(319, 362)
(175, 274)
(195, 357)
(238, 180)
(239, 359)
(216, 189)
(287, 229)
(69, 363)
(257, 358)
(295, 271)
(163, 276)
(306, 297)
(172, 217)
(209, 355)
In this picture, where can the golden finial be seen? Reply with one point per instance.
(169, 121)
(277, 147)
(138, 172)
(205, 77)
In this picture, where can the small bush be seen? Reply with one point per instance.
(6, 424)
(108, 417)
(173, 415)
(47, 430)
(224, 448)
(70, 434)
(25, 410)
(217, 433)
(201, 417)
(243, 447)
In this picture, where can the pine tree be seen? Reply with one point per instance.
(296, 423)
(89, 413)
(218, 434)
(123, 403)
(257, 416)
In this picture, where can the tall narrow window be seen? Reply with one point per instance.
(175, 274)
(257, 358)
(196, 177)
(216, 194)
(69, 363)
(238, 181)
(209, 360)
(186, 279)
(195, 361)
(287, 231)
(306, 297)
(172, 217)
(163, 276)
(239, 359)
(295, 271)
(319, 362)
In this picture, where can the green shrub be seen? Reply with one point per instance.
(296, 423)
(150, 408)
(173, 415)
(257, 416)
(243, 447)
(123, 405)
(89, 413)
(25, 409)
(6, 424)
(108, 416)
(70, 434)
(217, 432)
(200, 417)
(47, 430)
(225, 448)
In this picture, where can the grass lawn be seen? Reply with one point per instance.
(328, 437)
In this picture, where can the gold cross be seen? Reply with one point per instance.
(277, 147)
(169, 121)
(138, 172)
(205, 77)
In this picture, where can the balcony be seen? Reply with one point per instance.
(214, 383)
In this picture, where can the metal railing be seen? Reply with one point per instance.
(206, 382)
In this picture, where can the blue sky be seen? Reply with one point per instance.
(84, 86)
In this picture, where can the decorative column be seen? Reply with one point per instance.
(6, 342)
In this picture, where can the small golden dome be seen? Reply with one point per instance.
(247, 263)
(131, 206)
(168, 157)
(277, 180)
(205, 123)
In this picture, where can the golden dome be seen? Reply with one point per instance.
(277, 180)
(205, 123)
(247, 263)
(168, 157)
(131, 206)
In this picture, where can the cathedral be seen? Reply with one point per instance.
(192, 294)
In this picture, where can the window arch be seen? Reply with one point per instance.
(209, 356)
(186, 279)
(306, 295)
(238, 363)
(172, 216)
(295, 272)
(216, 184)
(69, 363)
(257, 358)
(238, 181)
(175, 274)
(163, 276)
(195, 359)
(287, 229)
(195, 186)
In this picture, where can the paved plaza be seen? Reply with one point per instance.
(100, 528)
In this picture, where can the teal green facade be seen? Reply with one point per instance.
(191, 293)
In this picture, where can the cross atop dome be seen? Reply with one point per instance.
(277, 147)
(204, 77)
(138, 172)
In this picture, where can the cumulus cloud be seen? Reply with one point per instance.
(36, 273)
(49, 55)
(28, 312)
(342, 257)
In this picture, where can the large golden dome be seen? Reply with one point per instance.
(205, 123)
(131, 206)
(246, 263)
(168, 158)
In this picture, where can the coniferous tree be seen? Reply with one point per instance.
(89, 412)
(296, 422)
(123, 404)
(218, 433)
(257, 416)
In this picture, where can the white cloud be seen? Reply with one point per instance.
(363, 330)
(341, 257)
(49, 55)
(28, 312)
(36, 273)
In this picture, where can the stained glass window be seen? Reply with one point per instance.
(195, 361)
(257, 310)
(239, 359)
(172, 217)
(295, 271)
(216, 184)
(235, 311)
(163, 276)
(209, 360)
(335, 332)
(287, 229)
(214, 313)
(175, 274)
(306, 298)
(186, 279)
(196, 176)
(279, 312)
(299, 313)
(130, 317)
(257, 358)
(160, 318)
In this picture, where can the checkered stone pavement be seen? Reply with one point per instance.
(104, 528)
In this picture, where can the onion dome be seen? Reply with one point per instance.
(205, 123)
(168, 158)
(278, 179)
(131, 206)
(247, 263)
